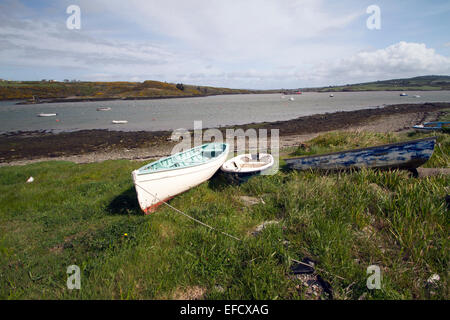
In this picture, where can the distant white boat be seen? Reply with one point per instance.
(403, 94)
(331, 95)
(103, 109)
(416, 96)
(291, 99)
(119, 121)
(47, 114)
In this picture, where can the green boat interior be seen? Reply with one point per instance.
(188, 158)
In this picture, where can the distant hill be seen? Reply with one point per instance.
(105, 90)
(431, 82)
(77, 90)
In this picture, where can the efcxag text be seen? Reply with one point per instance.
(246, 309)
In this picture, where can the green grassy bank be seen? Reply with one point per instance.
(105, 90)
(87, 215)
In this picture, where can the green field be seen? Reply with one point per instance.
(422, 83)
(87, 215)
(104, 90)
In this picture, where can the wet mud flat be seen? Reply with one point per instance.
(40, 144)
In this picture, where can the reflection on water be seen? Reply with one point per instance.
(214, 111)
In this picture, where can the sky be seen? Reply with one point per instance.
(254, 44)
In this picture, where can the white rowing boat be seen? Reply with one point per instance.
(243, 167)
(161, 180)
(119, 121)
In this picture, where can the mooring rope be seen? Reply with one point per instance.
(188, 216)
(224, 233)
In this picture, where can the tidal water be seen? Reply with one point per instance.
(213, 111)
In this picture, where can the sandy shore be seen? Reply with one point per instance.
(99, 145)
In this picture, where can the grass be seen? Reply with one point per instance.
(83, 90)
(445, 116)
(422, 83)
(79, 214)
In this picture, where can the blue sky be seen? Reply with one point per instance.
(258, 44)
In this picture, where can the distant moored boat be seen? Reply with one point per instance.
(433, 126)
(403, 94)
(103, 109)
(47, 114)
(119, 121)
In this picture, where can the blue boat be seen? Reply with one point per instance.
(403, 155)
(433, 126)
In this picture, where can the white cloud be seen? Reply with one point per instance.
(235, 43)
(403, 59)
(235, 31)
(210, 42)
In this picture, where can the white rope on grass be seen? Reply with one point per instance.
(188, 216)
(228, 235)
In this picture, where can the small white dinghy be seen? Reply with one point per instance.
(245, 166)
(119, 121)
(103, 109)
(47, 114)
(161, 180)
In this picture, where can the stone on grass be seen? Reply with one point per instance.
(262, 226)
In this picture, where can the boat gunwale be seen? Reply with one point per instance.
(185, 167)
(437, 122)
(265, 167)
(361, 149)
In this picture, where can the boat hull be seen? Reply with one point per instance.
(153, 189)
(235, 175)
(404, 155)
(241, 177)
(47, 115)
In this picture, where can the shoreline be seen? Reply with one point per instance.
(93, 99)
(101, 144)
(87, 99)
